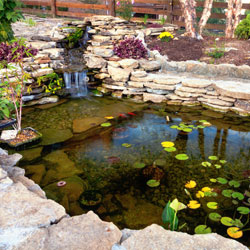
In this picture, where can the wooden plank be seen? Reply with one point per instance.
(53, 8)
(36, 3)
(74, 14)
(81, 5)
(35, 11)
(149, 11)
(208, 26)
(161, 2)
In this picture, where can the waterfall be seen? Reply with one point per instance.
(85, 37)
(76, 83)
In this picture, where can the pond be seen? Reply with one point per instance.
(108, 168)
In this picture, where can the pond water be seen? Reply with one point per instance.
(106, 169)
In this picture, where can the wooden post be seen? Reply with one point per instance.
(53, 7)
(112, 7)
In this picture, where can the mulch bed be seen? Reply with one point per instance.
(186, 48)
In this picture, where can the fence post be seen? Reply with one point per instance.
(53, 7)
(112, 7)
(170, 11)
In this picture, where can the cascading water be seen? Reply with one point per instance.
(85, 37)
(76, 83)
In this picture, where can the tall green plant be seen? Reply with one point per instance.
(125, 9)
(8, 15)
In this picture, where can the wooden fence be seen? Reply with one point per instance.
(153, 8)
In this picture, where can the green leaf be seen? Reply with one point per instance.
(227, 192)
(168, 217)
(206, 164)
(202, 229)
(214, 216)
(222, 180)
(200, 126)
(212, 205)
(217, 166)
(223, 161)
(176, 205)
(238, 195)
(174, 126)
(187, 130)
(171, 149)
(126, 145)
(243, 210)
(235, 202)
(153, 183)
(202, 121)
(182, 157)
(213, 180)
(234, 183)
(139, 165)
(213, 158)
(238, 223)
(106, 124)
(227, 221)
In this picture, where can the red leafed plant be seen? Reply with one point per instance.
(131, 48)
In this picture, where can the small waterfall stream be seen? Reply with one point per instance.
(76, 83)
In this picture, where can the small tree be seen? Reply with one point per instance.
(233, 17)
(8, 15)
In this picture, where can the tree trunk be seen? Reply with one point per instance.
(233, 17)
(189, 13)
(205, 15)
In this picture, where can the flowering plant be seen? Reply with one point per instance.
(131, 48)
(166, 36)
(125, 9)
(14, 77)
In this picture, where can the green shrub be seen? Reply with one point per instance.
(8, 15)
(243, 29)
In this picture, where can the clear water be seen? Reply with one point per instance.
(99, 168)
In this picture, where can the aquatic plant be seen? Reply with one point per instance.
(131, 48)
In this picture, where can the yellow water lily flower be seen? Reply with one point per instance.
(234, 232)
(200, 194)
(190, 184)
(109, 117)
(193, 204)
(167, 144)
(207, 189)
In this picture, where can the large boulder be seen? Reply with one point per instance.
(119, 74)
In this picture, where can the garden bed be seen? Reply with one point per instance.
(185, 48)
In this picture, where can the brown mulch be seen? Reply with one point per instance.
(186, 48)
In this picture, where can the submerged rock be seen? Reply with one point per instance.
(52, 136)
(83, 124)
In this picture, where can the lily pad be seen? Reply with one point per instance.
(227, 221)
(222, 180)
(214, 216)
(213, 157)
(213, 180)
(171, 149)
(153, 183)
(106, 124)
(212, 205)
(234, 183)
(202, 229)
(126, 145)
(227, 192)
(200, 126)
(206, 164)
(235, 202)
(238, 223)
(217, 166)
(234, 232)
(139, 165)
(238, 195)
(182, 157)
(243, 210)
(174, 126)
(187, 130)
(223, 161)
(167, 144)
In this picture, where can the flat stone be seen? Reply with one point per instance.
(94, 62)
(106, 53)
(42, 72)
(136, 84)
(155, 237)
(242, 104)
(226, 98)
(139, 73)
(186, 94)
(159, 86)
(148, 78)
(129, 63)
(119, 74)
(83, 124)
(102, 76)
(174, 102)
(54, 53)
(195, 83)
(153, 98)
(101, 39)
(114, 87)
(233, 89)
(42, 45)
(190, 103)
(215, 107)
(114, 64)
(240, 111)
(149, 65)
(172, 96)
(44, 100)
(192, 90)
(216, 102)
(52, 136)
(165, 79)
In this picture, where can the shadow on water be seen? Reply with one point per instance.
(103, 172)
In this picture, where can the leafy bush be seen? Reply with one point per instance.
(243, 29)
(131, 48)
(8, 14)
